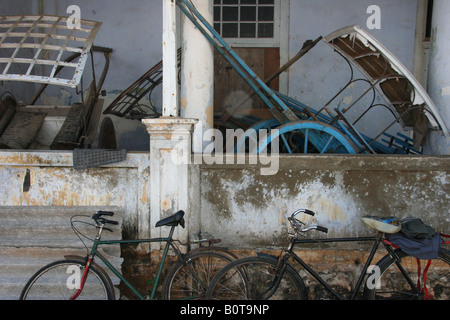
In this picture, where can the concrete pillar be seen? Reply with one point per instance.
(197, 75)
(170, 141)
(170, 153)
(170, 84)
(439, 75)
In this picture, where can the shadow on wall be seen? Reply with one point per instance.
(136, 140)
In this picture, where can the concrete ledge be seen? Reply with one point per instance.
(334, 162)
(61, 159)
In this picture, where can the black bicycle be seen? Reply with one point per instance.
(396, 276)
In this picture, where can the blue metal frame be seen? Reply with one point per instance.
(321, 135)
(264, 92)
(288, 112)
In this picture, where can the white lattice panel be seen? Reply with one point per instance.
(34, 48)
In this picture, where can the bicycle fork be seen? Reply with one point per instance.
(83, 278)
(89, 260)
(278, 275)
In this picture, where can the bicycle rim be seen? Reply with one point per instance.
(61, 281)
(256, 278)
(188, 280)
(394, 286)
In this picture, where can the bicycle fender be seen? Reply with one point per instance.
(266, 255)
(75, 257)
(275, 260)
(82, 259)
(224, 250)
(289, 268)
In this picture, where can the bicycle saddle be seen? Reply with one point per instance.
(383, 224)
(173, 220)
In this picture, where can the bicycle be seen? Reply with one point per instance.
(395, 276)
(78, 277)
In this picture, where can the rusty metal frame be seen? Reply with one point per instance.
(45, 40)
(387, 74)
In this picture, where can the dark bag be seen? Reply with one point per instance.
(415, 228)
(417, 239)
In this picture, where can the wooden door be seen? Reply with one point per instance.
(230, 90)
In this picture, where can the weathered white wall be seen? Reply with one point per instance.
(248, 210)
(439, 76)
(197, 76)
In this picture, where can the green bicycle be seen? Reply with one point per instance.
(78, 277)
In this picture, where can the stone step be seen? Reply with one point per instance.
(17, 265)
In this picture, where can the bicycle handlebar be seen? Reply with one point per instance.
(104, 213)
(311, 213)
(106, 221)
(297, 224)
(323, 229)
(99, 220)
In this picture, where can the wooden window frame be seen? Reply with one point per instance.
(280, 26)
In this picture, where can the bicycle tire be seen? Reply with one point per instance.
(59, 280)
(392, 284)
(252, 278)
(189, 279)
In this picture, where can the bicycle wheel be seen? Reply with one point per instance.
(253, 278)
(189, 279)
(393, 285)
(60, 280)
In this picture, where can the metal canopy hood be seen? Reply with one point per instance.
(391, 78)
(33, 48)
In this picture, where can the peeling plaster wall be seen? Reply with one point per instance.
(247, 210)
(54, 181)
(438, 75)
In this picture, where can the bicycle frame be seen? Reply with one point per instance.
(377, 240)
(95, 253)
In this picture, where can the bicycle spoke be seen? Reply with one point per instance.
(255, 278)
(189, 280)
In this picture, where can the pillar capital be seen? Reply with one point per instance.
(168, 125)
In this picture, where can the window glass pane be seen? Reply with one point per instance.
(217, 16)
(230, 30)
(265, 30)
(248, 13)
(248, 30)
(217, 27)
(265, 13)
(230, 14)
(244, 18)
